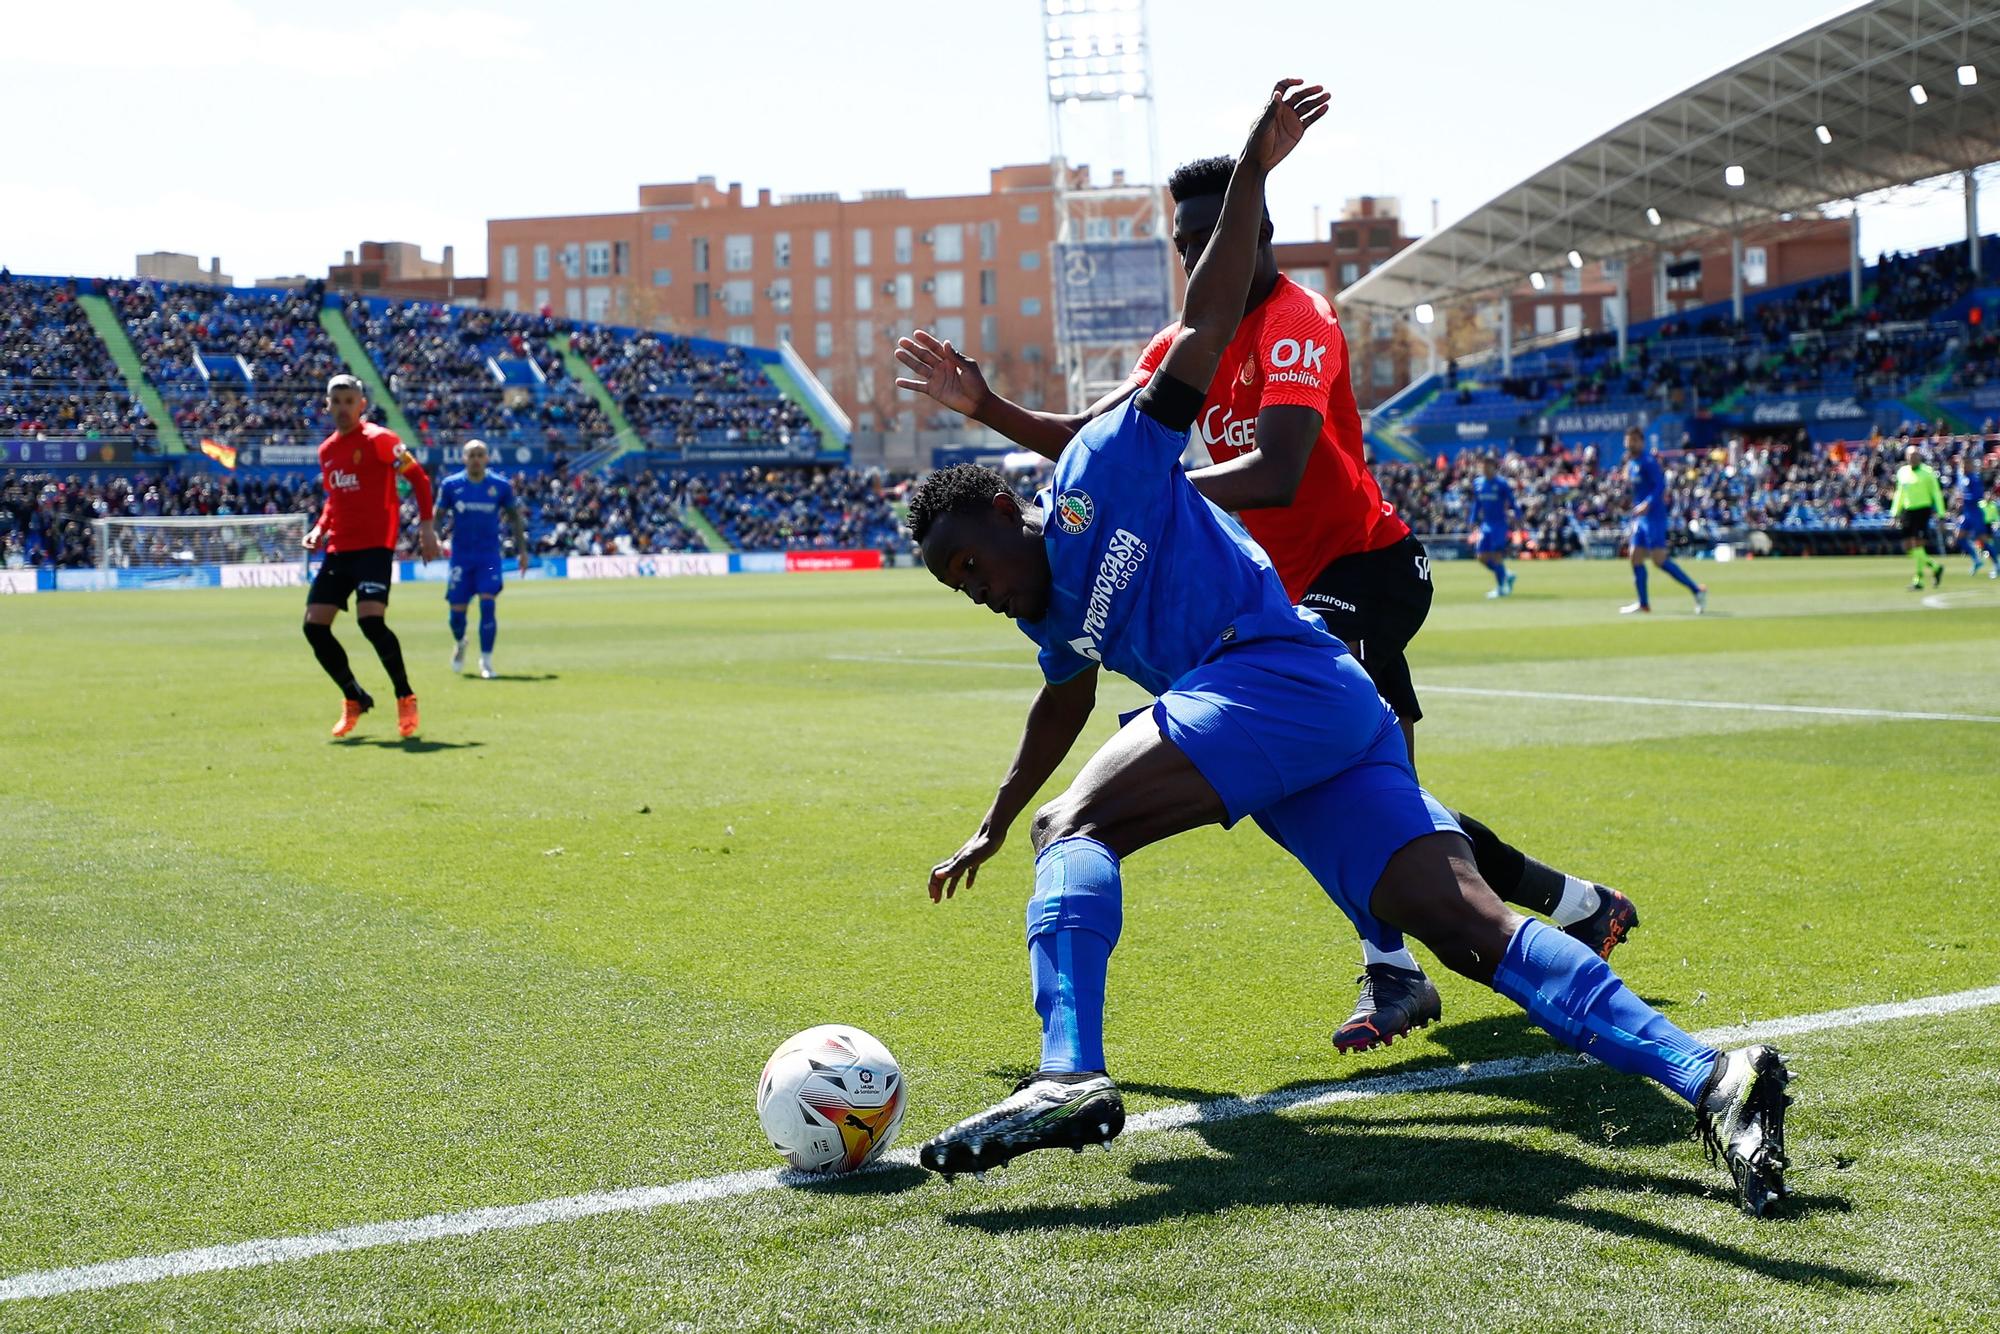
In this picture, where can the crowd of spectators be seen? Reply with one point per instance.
(47, 520)
(56, 378)
(267, 359)
(676, 394)
(799, 508)
(589, 515)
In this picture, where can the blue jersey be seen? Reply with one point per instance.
(475, 509)
(1649, 483)
(1149, 579)
(1970, 491)
(1492, 499)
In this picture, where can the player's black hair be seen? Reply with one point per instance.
(1203, 176)
(963, 488)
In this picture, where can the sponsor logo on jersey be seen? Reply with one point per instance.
(1296, 362)
(1074, 511)
(1226, 430)
(342, 481)
(1114, 572)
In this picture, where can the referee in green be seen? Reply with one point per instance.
(1919, 501)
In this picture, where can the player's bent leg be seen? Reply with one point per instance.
(1595, 914)
(333, 660)
(369, 615)
(1139, 788)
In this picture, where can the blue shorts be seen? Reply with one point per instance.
(1294, 734)
(1648, 531)
(474, 577)
(1491, 538)
(1971, 523)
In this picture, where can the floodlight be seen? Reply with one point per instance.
(1968, 75)
(1824, 135)
(1575, 260)
(1537, 281)
(1653, 216)
(1918, 95)
(1425, 314)
(1732, 174)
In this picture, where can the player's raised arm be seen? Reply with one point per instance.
(940, 371)
(1221, 281)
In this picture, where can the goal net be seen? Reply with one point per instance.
(213, 539)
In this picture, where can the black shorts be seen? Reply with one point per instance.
(364, 573)
(1376, 601)
(1917, 523)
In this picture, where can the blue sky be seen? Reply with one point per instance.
(277, 135)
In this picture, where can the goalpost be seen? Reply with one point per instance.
(127, 543)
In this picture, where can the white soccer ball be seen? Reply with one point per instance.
(831, 1099)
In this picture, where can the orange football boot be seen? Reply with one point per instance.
(406, 715)
(350, 714)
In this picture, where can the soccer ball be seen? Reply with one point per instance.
(831, 1099)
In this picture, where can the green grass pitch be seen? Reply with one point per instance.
(258, 984)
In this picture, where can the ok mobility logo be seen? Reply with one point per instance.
(1119, 566)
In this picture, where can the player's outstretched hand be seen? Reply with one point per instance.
(1293, 107)
(941, 371)
(313, 539)
(965, 862)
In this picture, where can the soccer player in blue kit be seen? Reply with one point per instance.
(1261, 713)
(1974, 532)
(1648, 532)
(1492, 504)
(476, 499)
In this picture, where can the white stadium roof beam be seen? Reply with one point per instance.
(1851, 73)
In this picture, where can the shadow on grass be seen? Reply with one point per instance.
(523, 676)
(415, 745)
(881, 1179)
(1348, 1158)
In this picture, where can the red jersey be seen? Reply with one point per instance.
(358, 468)
(1290, 350)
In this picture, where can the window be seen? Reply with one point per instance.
(950, 329)
(781, 250)
(989, 334)
(780, 294)
(822, 248)
(1124, 229)
(510, 263)
(1350, 274)
(1313, 280)
(822, 293)
(1381, 238)
(1032, 353)
(989, 240)
(1347, 238)
(1097, 229)
(1572, 284)
(822, 342)
(738, 296)
(864, 338)
(1383, 371)
(1572, 315)
(1031, 306)
(864, 382)
(663, 231)
(948, 243)
(663, 277)
(596, 302)
(541, 264)
(738, 252)
(1756, 266)
(903, 245)
(864, 292)
(1382, 327)
(597, 259)
(573, 303)
(950, 289)
(701, 301)
(541, 298)
(572, 260)
(743, 335)
(864, 247)
(1031, 259)
(1029, 213)
(510, 300)
(784, 333)
(621, 258)
(1545, 318)
(906, 291)
(989, 287)
(1607, 313)
(701, 254)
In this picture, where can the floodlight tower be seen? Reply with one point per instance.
(1112, 278)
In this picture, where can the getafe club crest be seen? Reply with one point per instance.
(1073, 511)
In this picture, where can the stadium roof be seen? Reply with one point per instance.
(1852, 74)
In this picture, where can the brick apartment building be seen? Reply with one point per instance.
(839, 279)
(1368, 231)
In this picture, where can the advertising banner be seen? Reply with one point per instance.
(667, 565)
(1112, 291)
(18, 581)
(832, 560)
(1577, 421)
(56, 453)
(269, 574)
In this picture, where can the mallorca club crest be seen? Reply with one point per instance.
(1073, 511)
(1249, 373)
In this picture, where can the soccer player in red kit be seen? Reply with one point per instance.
(1284, 438)
(359, 464)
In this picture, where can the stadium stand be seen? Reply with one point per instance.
(56, 378)
(675, 391)
(794, 508)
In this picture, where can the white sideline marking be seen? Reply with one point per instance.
(504, 1218)
(1965, 596)
(1558, 696)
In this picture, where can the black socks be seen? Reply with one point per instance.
(390, 651)
(333, 658)
(1514, 876)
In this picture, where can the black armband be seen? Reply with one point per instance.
(1170, 402)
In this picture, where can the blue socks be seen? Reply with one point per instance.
(1499, 569)
(1675, 571)
(489, 624)
(1073, 922)
(1639, 578)
(458, 625)
(1575, 996)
